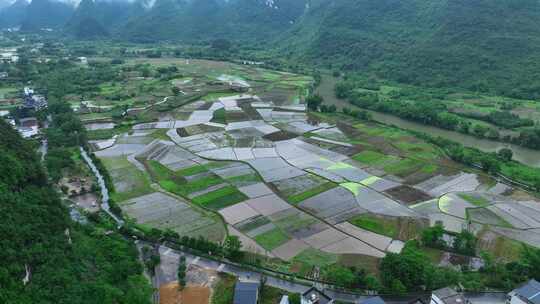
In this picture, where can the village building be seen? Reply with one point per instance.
(315, 296)
(374, 300)
(33, 101)
(246, 293)
(528, 293)
(448, 296)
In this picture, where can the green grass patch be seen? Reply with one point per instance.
(219, 116)
(435, 255)
(478, 201)
(220, 198)
(175, 182)
(376, 225)
(271, 239)
(403, 167)
(129, 182)
(192, 170)
(160, 134)
(215, 95)
(369, 157)
(297, 198)
(247, 178)
(304, 262)
(223, 291)
(429, 168)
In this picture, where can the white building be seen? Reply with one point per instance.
(447, 296)
(315, 296)
(528, 293)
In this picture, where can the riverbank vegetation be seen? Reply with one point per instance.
(493, 117)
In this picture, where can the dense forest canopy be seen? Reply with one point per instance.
(477, 45)
(66, 262)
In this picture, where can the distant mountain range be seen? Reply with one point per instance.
(481, 45)
(153, 20)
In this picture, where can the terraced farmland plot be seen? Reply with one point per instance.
(377, 203)
(128, 180)
(158, 210)
(221, 198)
(271, 239)
(300, 188)
(335, 205)
(486, 216)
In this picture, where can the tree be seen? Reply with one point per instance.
(433, 236)
(232, 247)
(175, 90)
(505, 154)
(182, 272)
(341, 276)
(465, 243)
(314, 102)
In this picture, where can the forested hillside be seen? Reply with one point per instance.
(195, 20)
(63, 262)
(479, 45)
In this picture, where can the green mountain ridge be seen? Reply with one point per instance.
(477, 45)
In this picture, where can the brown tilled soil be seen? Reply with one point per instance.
(280, 136)
(408, 195)
(169, 294)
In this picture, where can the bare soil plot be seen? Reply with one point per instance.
(171, 294)
(280, 136)
(290, 249)
(325, 238)
(238, 213)
(197, 129)
(350, 245)
(267, 205)
(376, 240)
(408, 195)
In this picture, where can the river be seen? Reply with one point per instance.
(526, 156)
(101, 182)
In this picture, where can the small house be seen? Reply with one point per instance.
(315, 296)
(246, 293)
(447, 296)
(528, 293)
(374, 300)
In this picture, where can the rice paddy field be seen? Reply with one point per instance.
(303, 189)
